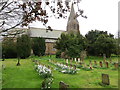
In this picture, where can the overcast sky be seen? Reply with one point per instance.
(102, 15)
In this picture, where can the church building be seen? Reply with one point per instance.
(51, 36)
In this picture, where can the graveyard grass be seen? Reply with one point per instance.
(25, 76)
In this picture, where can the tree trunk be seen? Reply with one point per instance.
(18, 64)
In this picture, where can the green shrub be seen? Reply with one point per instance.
(9, 48)
(58, 54)
(38, 46)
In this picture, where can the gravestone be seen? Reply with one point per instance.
(70, 65)
(90, 62)
(110, 60)
(83, 55)
(63, 86)
(107, 64)
(116, 65)
(90, 66)
(74, 67)
(66, 64)
(75, 59)
(95, 62)
(104, 58)
(78, 60)
(48, 67)
(101, 64)
(80, 63)
(105, 79)
(85, 65)
(66, 60)
(49, 60)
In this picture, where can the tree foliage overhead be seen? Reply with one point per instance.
(23, 46)
(15, 13)
(38, 46)
(71, 44)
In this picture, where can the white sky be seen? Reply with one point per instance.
(102, 15)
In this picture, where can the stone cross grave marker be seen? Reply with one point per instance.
(105, 79)
(101, 64)
(63, 86)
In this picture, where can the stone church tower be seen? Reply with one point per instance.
(72, 24)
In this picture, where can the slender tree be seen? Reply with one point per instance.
(23, 47)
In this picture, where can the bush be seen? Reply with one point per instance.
(9, 48)
(58, 54)
(38, 46)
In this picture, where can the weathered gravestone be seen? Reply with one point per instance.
(95, 62)
(78, 60)
(70, 61)
(90, 62)
(81, 63)
(49, 60)
(116, 65)
(85, 66)
(66, 64)
(104, 58)
(110, 60)
(70, 65)
(74, 67)
(101, 64)
(75, 59)
(63, 86)
(83, 55)
(66, 60)
(90, 66)
(105, 79)
(107, 64)
(48, 67)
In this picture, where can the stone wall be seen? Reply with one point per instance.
(50, 48)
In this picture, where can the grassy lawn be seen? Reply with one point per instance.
(0, 75)
(25, 76)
